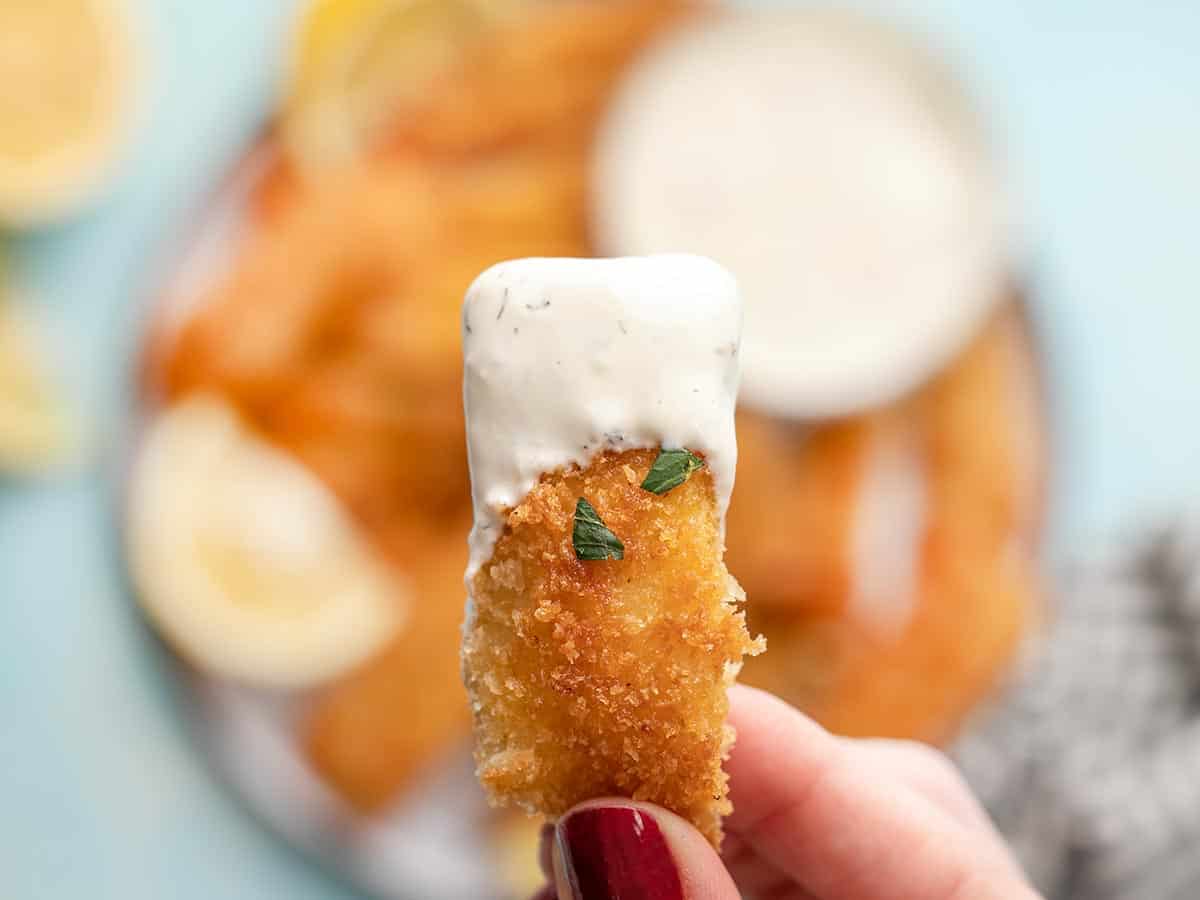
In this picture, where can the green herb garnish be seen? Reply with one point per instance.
(591, 536)
(670, 470)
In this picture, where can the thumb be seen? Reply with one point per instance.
(611, 849)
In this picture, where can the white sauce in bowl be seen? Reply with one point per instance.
(567, 357)
(840, 176)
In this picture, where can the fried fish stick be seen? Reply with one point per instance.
(501, 94)
(602, 625)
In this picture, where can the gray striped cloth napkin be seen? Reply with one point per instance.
(1090, 762)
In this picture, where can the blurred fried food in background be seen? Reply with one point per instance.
(336, 333)
(909, 651)
(372, 731)
(354, 62)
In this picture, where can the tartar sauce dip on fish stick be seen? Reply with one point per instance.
(567, 357)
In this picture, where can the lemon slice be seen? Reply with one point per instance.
(67, 78)
(245, 561)
(35, 431)
(355, 62)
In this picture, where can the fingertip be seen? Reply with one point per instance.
(751, 707)
(771, 737)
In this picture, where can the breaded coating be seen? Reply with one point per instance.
(602, 678)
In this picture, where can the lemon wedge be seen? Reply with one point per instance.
(245, 561)
(355, 62)
(67, 83)
(35, 430)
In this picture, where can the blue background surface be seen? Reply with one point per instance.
(101, 793)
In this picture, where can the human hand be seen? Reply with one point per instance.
(816, 817)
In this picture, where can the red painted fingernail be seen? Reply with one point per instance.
(617, 853)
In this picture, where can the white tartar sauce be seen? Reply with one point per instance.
(841, 175)
(567, 357)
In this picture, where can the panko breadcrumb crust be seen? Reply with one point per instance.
(607, 678)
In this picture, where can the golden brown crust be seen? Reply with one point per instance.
(603, 678)
(978, 432)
